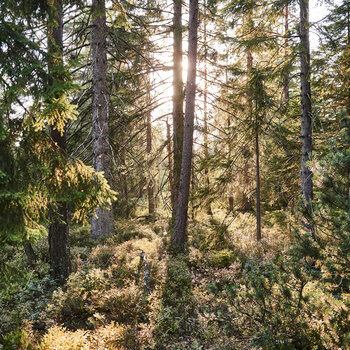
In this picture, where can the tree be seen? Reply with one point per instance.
(102, 221)
(333, 199)
(150, 184)
(205, 105)
(39, 178)
(258, 102)
(178, 99)
(179, 235)
(170, 162)
(286, 44)
(306, 112)
(59, 248)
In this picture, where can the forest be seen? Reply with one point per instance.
(174, 174)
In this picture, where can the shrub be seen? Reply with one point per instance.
(108, 337)
(221, 258)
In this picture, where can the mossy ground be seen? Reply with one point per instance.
(225, 292)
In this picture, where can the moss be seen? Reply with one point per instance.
(221, 258)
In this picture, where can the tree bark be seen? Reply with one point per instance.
(348, 99)
(102, 221)
(306, 112)
(258, 203)
(246, 204)
(170, 162)
(230, 197)
(59, 246)
(126, 209)
(178, 98)
(230, 192)
(179, 236)
(192, 189)
(205, 131)
(286, 45)
(150, 186)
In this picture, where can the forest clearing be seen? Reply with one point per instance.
(174, 174)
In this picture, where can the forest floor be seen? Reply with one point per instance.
(127, 292)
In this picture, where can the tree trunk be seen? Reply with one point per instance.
(230, 197)
(347, 101)
(257, 155)
(170, 162)
(102, 221)
(124, 180)
(306, 112)
(205, 131)
(192, 189)
(178, 241)
(286, 45)
(59, 247)
(246, 204)
(150, 186)
(230, 204)
(230, 191)
(178, 97)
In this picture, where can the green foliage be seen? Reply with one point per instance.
(287, 292)
(221, 258)
(40, 176)
(57, 114)
(24, 294)
(220, 299)
(177, 318)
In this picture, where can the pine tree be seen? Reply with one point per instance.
(179, 235)
(178, 100)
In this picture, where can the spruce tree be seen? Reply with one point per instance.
(102, 221)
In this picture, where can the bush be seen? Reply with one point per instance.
(221, 258)
(110, 336)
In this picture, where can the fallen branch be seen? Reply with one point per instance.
(146, 277)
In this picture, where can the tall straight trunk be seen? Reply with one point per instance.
(347, 99)
(59, 247)
(348, 49)
(102, 221)
(150, 186)
(170, 162)
(205, 131)
(124, 181)
(246, 205)
(286, 45)
(257, 156)
(179, 236)
(230, 198)
(306, 112)
(178, 98)
(150, 182)
(192, 189)
(348, 89)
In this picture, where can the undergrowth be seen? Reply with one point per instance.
(226, 292)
